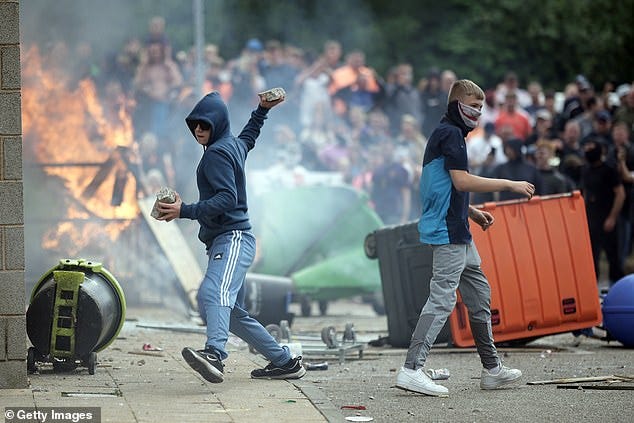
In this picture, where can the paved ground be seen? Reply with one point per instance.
(370, 382)
(131, 385)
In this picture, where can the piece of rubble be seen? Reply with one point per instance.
(164, 195)
(273, 94)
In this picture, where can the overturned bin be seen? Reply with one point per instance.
(76, 309)
(537, 259)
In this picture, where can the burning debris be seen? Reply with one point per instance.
(81, 142)
(65, 126)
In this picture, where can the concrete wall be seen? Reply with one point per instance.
(12, 288)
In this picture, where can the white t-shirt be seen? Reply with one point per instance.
(478, 148)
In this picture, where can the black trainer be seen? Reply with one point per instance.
(291, 370)
(204, 362)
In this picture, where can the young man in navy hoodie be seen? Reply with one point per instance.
(225, 230)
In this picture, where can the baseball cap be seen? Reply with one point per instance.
(543, 114)
(623, 89)
(603, 115)
(254, 44)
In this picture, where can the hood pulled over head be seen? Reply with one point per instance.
(213, 110)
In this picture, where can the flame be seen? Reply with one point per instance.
(73, 133)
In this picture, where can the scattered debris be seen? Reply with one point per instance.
(174, 328)
(316, 366)
(359, 418)
(114, 393)
(600, 387)
(438, 374)
(353, 407)
(149, 347)
(611, 378)
(150, 353)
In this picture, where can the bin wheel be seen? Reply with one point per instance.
(92, 362)
(30, 360)
(306, 306)
(369, 246)
(329, 336)
(323, 307)
(349, 333)
(275, 331)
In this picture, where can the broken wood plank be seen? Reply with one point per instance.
(176, 249)
(577, 380)
(600, 387)
(99, 178)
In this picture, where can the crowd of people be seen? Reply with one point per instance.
(341, 115)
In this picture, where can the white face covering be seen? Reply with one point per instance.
(469, 115)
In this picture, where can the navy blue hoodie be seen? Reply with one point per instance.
(222, 205)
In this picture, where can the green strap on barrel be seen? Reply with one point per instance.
(65, 312)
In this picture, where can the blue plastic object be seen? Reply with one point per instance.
(618, 311)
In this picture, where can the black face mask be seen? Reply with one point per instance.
(594, 155)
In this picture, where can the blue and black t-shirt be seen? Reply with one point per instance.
(444, 218)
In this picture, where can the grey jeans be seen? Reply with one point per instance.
(455, 266)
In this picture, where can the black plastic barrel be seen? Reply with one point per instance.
(268, 298)
(76, 308)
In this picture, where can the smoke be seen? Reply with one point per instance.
(105, 26)
(102, 24)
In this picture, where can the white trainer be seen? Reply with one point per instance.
(418, 381)
(505, 376)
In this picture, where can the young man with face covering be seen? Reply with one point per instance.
(226, 232)
(444, 187)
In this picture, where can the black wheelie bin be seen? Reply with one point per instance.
(406, 268)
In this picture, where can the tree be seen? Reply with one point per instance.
(550, 41)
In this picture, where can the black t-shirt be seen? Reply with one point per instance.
(628, 205)
(597, 186)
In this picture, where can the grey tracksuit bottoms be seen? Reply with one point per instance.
(455, 266)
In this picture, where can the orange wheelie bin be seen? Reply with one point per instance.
(538, 260)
